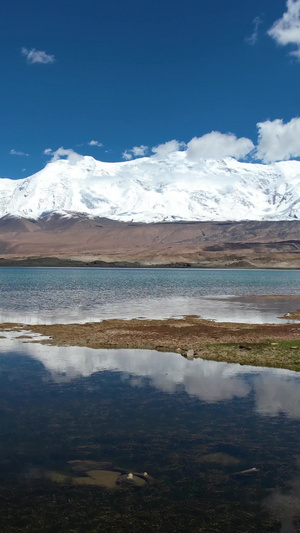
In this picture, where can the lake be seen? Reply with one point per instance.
(64, 295)
(126, 440)
(220, 441)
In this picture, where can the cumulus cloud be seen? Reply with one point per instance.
(162, 150)
(216, 145)
(127, 155)
(252, 39)
(95, 143)
(139, 151)
(286, 30)
(37, 56)
(278, 141)
(61, 152)
(136, 151)
(16, 152)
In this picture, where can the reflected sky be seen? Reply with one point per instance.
(234, 309)
(275, 391)
(196, 426)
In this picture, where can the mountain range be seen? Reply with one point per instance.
(150, 211)
(150, 189)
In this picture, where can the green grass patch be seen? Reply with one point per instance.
(271, 353)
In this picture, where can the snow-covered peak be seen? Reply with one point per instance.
(151, 189)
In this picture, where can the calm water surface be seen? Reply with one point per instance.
(48, 295)
(194, 426)
(220, 441)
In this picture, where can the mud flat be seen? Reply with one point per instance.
(273, 345)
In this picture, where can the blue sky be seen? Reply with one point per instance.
(136, 74)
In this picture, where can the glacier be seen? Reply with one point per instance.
(151, 189)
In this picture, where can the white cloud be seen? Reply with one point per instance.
(278, 141)
(252, 39)
(37, 56)
(286, 30)
(95, 143)
(136, 151)
(127, 155)
(16, 152)
(61, 152)
(216, 145)
(162, 150)
(139, 151)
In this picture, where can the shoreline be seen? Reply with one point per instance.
(268, 345)
(54, 262)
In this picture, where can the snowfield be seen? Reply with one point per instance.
(152, 190)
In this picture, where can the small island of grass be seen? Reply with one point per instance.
(271, 345)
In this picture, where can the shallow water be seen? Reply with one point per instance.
(192, 425)
(66, 295)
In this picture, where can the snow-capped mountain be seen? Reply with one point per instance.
(150, 190)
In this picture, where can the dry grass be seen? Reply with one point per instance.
(276, 345)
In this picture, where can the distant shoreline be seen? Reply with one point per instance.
(61, 263)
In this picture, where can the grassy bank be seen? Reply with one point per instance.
(273, 345)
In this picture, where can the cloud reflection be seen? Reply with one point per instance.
(275, 391)
(285, 506)
(246, 309)
(275, 395)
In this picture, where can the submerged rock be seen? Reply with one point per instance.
(248, 471)
(103, 474)
(223, 459)
(104, 478)
(132, 479)
(85, 465)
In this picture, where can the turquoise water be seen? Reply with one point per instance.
(47, 295)
(220, 441)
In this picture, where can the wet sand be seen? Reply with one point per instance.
(274, 345)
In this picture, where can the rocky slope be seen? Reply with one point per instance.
(93, 240)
